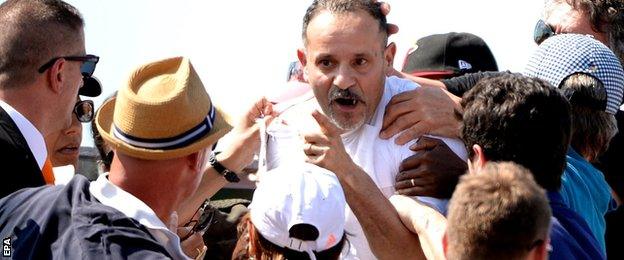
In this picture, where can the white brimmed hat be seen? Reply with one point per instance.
(288, 197)
(565, 54)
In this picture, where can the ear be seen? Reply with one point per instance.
(445, 243)
(389, 55)
(301, 55)
(479, 159)
(56, 75)
(193, 161)
(540, 252)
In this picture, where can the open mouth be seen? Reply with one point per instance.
(346, 102)
(68, 150)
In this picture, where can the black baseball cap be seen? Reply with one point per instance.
(91, 87)
(449, 55)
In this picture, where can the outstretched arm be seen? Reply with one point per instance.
(387, 236)
(245, 142)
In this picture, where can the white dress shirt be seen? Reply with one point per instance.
(111, 195)
(33, 137)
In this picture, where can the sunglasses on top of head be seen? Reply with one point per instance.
(87, 68)
(542, 31)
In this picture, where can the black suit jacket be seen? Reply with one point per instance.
(18, 167)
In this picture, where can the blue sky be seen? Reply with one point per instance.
(241, 49)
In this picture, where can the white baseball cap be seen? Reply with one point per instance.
(288, 196)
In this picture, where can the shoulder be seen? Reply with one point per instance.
(114, 238)
(571, 235)
(102, 231)
(396, 85)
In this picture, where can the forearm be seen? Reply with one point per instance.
(424, 81)
(386, 235)
(460, 85)
(210, 184)
(430, 226)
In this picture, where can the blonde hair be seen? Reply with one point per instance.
(499, 213)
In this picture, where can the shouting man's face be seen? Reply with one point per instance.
(345, 60)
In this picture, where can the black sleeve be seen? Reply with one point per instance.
(459, 85)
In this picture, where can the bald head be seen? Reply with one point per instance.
(32, 33)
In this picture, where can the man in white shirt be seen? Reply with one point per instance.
(345, 58)
(41, 71)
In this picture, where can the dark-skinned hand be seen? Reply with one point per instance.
(434, 169)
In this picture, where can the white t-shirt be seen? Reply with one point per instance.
(379, 158)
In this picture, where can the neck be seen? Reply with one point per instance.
(22, 98)
(155, 186)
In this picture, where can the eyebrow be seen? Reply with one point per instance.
(330, 56)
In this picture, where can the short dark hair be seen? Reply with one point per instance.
(32, 33)
(519, 119)
(373, 8)
(499, 213)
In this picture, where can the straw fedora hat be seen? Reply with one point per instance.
(163, 112)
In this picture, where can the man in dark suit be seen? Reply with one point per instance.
(42, 68)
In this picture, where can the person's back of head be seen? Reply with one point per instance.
(498, 213)
(32, 33)
(591, 78)
(519, 119)
(296, 215)
(447, 55)
(592, 129)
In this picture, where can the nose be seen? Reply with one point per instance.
(344, 77)
(75, 128)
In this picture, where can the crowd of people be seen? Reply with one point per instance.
(446, 158)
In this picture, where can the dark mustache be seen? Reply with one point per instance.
(336, 93)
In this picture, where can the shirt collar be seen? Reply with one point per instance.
(33, 137)
(111, 195)
(554, 198)
(574, 154)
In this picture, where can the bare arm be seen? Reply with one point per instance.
(235, 157)
(424, 221)
(386, 235)
(418, 80)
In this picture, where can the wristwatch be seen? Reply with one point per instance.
(229, 175)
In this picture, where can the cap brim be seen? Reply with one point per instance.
(91, 87)
(434, 74)
(104, 123)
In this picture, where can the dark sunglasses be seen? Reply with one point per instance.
(84, 110)
(87, 68)
(202, 223)
(542, 31)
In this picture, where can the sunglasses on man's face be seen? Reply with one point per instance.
(84, 110)
(542, 31)
(87, 68)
